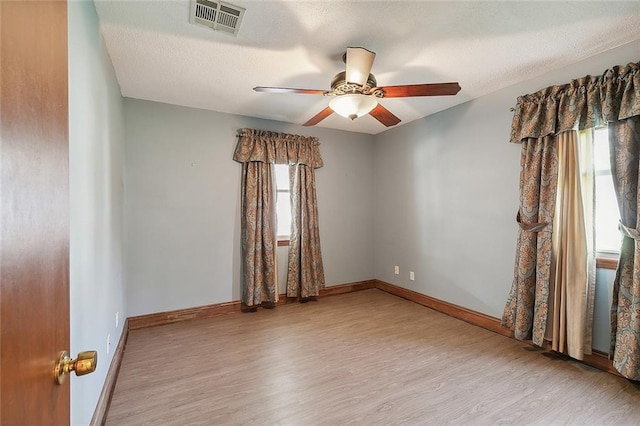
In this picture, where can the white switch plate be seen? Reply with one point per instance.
(396, 269)
(117, 319)
(412, 276)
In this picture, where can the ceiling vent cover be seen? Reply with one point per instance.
(218, 15)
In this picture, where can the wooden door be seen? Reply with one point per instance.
(34, 191)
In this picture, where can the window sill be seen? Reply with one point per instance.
(282, 243)
(607, 261)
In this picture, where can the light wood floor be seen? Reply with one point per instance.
(364, 358)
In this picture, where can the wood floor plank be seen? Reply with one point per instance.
(359, 358)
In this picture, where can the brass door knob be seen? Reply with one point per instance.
(85, 363)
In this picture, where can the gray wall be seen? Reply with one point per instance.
(601, 311)
(445, 200)
(96, 161)
(446, 196)
(183, 206)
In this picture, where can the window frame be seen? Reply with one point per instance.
(606, 260)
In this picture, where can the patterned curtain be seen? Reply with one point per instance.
(589, 102)
(585, 103)
(306, 272)
(258, 225)
(624, 142)
(277, 148)
(527, 307)
(258, 150)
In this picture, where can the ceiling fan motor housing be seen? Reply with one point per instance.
(340, 86)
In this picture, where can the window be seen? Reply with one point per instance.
(607, 216)
(283, 203)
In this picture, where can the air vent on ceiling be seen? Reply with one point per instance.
(218, 15)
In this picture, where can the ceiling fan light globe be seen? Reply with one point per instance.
(353, 105)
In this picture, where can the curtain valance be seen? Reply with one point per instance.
(584, 103)
(279, 148)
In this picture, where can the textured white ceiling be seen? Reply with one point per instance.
(485, 46)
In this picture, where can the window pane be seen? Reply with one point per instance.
(601, 150)
(282, 176)
(283, 203)
(608, 236)
(283, 208)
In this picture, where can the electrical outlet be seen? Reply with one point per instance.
(412, 276)
(396, 269)
(117, 319)
(108, 343)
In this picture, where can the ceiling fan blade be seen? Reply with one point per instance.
(319, 117)
(289, 90)
(384, 116)
(359, 62)
(408, 90)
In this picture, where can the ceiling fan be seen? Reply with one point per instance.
(355, 91)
